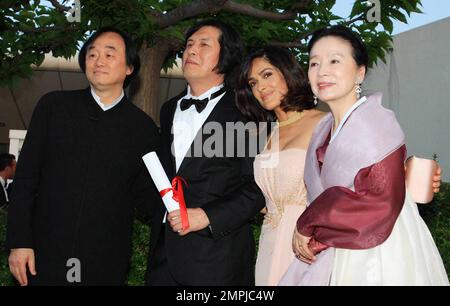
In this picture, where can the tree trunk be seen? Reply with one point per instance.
(145, 90)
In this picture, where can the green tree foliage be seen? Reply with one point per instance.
(29, 29)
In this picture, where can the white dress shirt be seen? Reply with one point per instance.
(187, 123)
(106, 107)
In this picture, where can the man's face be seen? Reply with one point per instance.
(10, 170)
(201, 55)
(13, 169)
(106, 67)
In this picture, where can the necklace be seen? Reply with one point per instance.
(295, 117)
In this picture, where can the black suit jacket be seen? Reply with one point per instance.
(225, 189)
(78, 180)
(2, 197)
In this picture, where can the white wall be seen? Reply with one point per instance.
(415, 82)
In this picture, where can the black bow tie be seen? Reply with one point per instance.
(200, 104)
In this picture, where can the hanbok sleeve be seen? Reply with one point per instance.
(360, 219)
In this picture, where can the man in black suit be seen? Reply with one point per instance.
(80, 175)
(221, 197)
(7, 171)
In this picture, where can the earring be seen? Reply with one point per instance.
(358, 91)
(315, 100)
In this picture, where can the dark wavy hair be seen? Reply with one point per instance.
(6, 160)
(131, 53)
(360, 54)
(231, 48)
(299, 95)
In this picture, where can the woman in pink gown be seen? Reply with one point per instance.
(272, 86)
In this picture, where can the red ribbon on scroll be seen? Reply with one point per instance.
(178, 195)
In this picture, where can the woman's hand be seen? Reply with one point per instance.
(301, 249)
(437, 179)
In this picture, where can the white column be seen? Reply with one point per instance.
(16, 138)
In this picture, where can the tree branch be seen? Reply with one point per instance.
(249, 10)
(301, 5)
(59, 7)
(43, 29)
(297, 43)
(188, 11)
(357, 18)
(213, 6)
(347, 23)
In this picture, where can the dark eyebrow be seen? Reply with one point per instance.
(111, 48)
(107, 47)
(336, 53)
(264, 70)
(259, 73)
(201, 39)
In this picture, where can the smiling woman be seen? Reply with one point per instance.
(336, 69)
(361, 226)
(267, 83)
(271, 85)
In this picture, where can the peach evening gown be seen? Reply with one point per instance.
(279, 174)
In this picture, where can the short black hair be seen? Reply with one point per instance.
(131, 52)
(299, 95)
(6, 160)
(360, 54)
(231, 48)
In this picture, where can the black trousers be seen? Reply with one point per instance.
(158, 273)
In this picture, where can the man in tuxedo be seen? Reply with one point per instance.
(221, 195)
(7, 171)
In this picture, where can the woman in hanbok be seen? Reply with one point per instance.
(361, 226)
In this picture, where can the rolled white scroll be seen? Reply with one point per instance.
(160, 179)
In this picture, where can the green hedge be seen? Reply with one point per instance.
(5, 276)
(436, 215)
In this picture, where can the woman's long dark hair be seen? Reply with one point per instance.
(298, 97)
